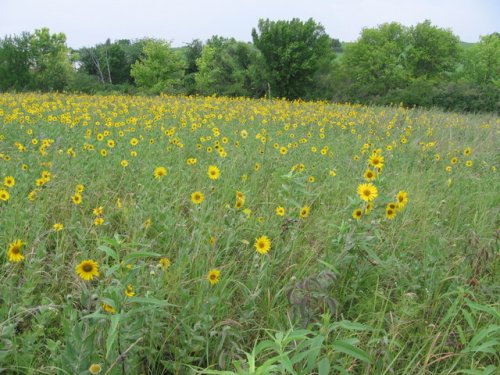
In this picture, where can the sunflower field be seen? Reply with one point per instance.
(192, 235)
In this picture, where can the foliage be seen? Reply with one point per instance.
(110, 62)
(482, 63)
(160, 69)
(293, 52)
(37, 61)
(15, 62)
(231, 68)
(191, 52)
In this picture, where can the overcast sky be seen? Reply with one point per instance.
(88, 22)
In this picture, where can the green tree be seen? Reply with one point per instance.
(159, 69)
(482, 61)
(192, 52)
(433, 51)
(376, 63)
(15, 62)
(110, 62)
(231, 68)
(293, 52)
(49, 60)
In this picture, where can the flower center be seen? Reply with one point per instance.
(87, 267)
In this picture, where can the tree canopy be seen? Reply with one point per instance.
(293, 52)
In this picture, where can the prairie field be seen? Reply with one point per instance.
(183, 235)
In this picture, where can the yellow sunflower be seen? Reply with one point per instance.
(367, 192)
(76, 198)
(304, 212)
(376, 160)
(213, 172)
(164, 263)
(160, 172)
(280, 211)
(213, 276)
(129, 291)
(197, 197)
(9, 181)
(57, 227)
(95, 369)
(4, 195)
(402, 198)
(357, 214)
(14, 252)
(87, 269)
(370, 175)
(262, 244)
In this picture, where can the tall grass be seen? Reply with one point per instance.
(416, 294)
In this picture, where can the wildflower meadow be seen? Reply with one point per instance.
(208, 235)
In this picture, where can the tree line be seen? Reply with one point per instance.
(421, 65)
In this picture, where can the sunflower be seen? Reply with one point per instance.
(376, 160)
(14, 251)
(108, 308)
(467, 151)
(304, 212)
(129, 291)
(87, 269)
(57, 227)
(160, 172)
(76, 198)
(9, 181)
(283, 150)
(98, 221)
(454, 160)
(31, 195)
(280, 211)
(367, 192)
(95, 369)
(391, 206)
(402, 198)
(4, 195)
(390, 213)
(80, 188)
(262, 244)
(98, 211)
(164, 263)
(213, 276)
(197, 197)
(213, 172)
(357, 214)
(469, 163)
(370, 175)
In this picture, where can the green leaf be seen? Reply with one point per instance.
(346, 348)
(149, 301)
(109, 251)
(112, 333)
(351, 326)
(324, 367)
(140, 254)
(484, 308)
